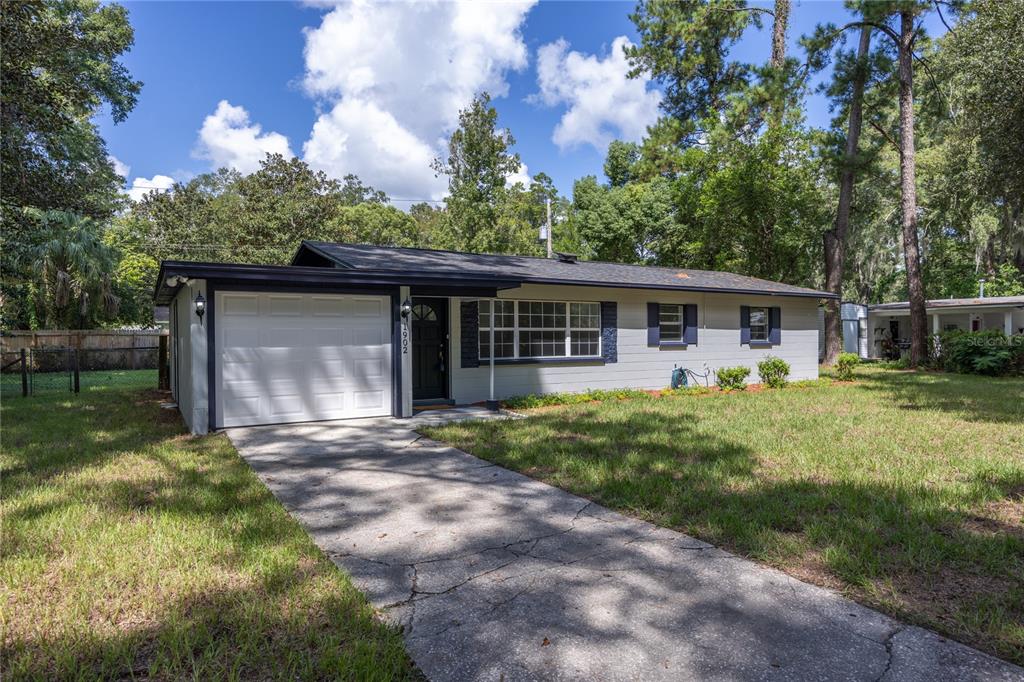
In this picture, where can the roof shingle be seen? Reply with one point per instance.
(549, 271)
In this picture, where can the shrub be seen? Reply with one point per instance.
(989, 352)
(773, 371)
(730, 378)
(845, 364)
(526, 402)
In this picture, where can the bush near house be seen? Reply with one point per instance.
(845, 364)
(730, 378)
(988, 352)
(773, 371)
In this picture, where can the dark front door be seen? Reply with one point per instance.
(429, 348)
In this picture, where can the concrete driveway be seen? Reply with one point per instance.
(495, 576)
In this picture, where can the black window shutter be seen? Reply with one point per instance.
(653, 324)
(469, 325)
(609, 331)
(775, 325)
(690, 323)
(744, 324)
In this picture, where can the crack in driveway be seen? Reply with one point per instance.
(505, 577)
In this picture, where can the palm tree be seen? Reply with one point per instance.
(73, 263)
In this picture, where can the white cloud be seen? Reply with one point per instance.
(603, 102)
(394, 77)
(523, 176)
(229, 139)
(359, 137)
(143, 186)
(120, 167)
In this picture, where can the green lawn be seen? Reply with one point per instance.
(132, 550)
(903, 490)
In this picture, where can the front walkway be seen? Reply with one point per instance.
(496, 576)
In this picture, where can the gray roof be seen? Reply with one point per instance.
(954, 303)
(547, 270)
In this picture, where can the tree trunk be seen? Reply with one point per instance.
(779, 33)
(835, 240)
(908, 189)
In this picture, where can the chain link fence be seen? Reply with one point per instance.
(45, 371)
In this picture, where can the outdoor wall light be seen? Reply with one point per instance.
(406, 308)
(200, 307)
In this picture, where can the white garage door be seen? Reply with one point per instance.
(301, 357)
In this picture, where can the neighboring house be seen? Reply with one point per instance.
(888, 324)
(854, 320)
(358, 331)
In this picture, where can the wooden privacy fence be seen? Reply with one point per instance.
(111, 348)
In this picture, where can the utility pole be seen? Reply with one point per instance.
(548, 228)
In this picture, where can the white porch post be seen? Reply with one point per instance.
(936, 327)
(405, 341)
(492, 404)
(1008, 323)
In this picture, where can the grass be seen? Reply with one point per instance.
(133, 550)
(903, 490)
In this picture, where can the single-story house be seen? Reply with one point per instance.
(888, 324)
(883, 330)
(357, 331)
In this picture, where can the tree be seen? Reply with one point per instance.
(477, 166)
(835, 240)
(620, 162)
(59, 64)
(60, 67)
(73, 269)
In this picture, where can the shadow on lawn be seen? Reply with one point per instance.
(250, 595)
(975, 398)
(937, 562)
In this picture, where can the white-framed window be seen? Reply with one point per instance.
(504, 329)
(758, 324)
(540, 329)
(670, 322)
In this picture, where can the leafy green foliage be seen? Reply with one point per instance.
(773, 372)
(60, 67)
(846, 363)
(988, 352)
(732, 378)
(477, 166)
(533, 400)
(72, 269)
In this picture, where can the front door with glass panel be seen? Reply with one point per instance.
(429, 349)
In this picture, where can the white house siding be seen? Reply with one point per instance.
(190, 389)
(640, 366)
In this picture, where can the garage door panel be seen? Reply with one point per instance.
(328, 339)
(283, 306)
(368, 337)
(242, 410)
(283, 337)
(329, 404)
(287, 405)
(292, 357)
(368, 307)
(240, 304)
(326, 306)
(368, 368)
(368, 400)
(240, 337)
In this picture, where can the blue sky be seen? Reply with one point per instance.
(374, 89)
